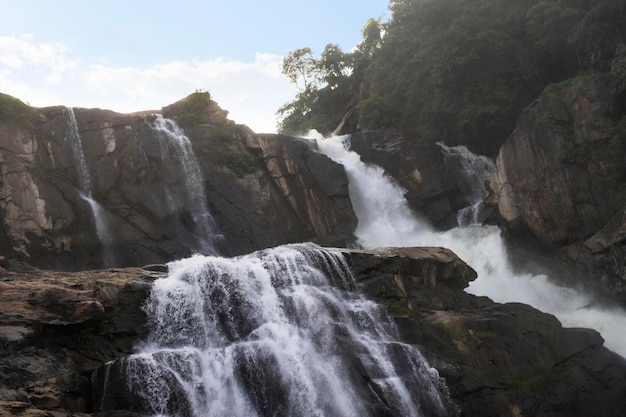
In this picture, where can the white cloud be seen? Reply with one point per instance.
(47, 74)
(16, 53)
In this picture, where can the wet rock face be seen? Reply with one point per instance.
(294, 194)
(261, 191)
(47, 221)
(548, 177)
(556, 176)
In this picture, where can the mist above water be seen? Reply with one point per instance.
(385, 219)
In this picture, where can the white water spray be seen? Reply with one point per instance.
(386, 220)
(98, 213)
(274, 333)
(194, 196)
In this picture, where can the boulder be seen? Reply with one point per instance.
(57, 327)
(547, 177)
(497, 359)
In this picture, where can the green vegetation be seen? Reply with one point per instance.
(449, 331)
(97, 289)
(223, 151)
(579, 154)
(239, 162)
(14, 109)
(537, 380)
(472, 338)
(222, 133)
(568, 82)
(194, 110)
(617, 164)
(456, 70)
(617, 146)
(402, 310)
(475, 339)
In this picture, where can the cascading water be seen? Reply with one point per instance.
(98, 213)
(102, 229)
(386, 220)
(472, 171)
(202, 229)
(280, 332)
(72, 137)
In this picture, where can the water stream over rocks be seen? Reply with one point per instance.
(386, 220)
(98, 213)
(280, 332)
(199, 231)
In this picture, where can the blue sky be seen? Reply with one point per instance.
(140, 55)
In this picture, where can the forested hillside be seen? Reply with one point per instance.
(454, 70)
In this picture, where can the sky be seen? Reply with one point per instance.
(137, 55)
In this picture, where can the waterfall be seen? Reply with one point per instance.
(386, 220)
(72, 138)
(471, 171)
(103, 232)
(280, 332)
(202, 228)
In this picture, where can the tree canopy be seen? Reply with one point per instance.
(453, 70)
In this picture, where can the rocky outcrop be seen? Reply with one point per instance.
(560, 173)
(56, 327)
(431, 186)
(261, 190)
(603, 255)
(497, 359)
(294, 194)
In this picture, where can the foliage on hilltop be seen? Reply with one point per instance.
(453, 70)
(14, 109)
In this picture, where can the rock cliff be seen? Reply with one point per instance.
(561, 175)
(56, 328)
(262, 190)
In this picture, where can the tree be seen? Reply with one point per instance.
(334, 65)
(455, 70)
(324, 85)
(372, 37)
(301, 68)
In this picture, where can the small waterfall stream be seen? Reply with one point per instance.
(201, 232)
(386, 220)
(280, 332)
(99, 214)
(471, 170)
